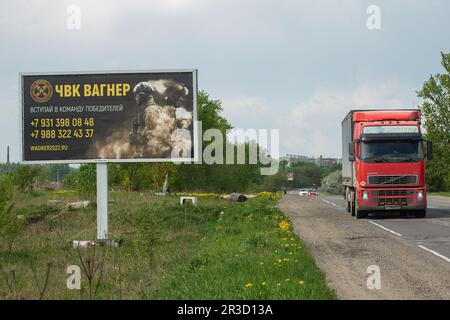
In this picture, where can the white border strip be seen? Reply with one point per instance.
(434, 252)
(384, 228)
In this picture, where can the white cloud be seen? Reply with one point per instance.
(313, 127)
(237, 109)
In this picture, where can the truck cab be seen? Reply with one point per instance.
(383, 166)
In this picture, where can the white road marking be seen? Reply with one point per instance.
(334, 204)
(434, 252)
(326, 201)
(384, 228)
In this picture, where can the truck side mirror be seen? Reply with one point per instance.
(351, 151)
(429, 150)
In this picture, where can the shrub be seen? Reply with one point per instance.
(333, 183)
(10, 226)
(83, 180)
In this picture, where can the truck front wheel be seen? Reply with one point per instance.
(359, 213)
(420, 214)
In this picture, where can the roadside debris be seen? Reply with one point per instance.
(184, 200)
(238, 197)
(229, 196)
(78, 205)
(83, 244)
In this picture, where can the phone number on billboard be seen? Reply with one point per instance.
(62, 122)
(63, 134)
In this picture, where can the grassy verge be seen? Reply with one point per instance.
(445, 194)
(215, 250)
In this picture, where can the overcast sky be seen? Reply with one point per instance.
(298, 66)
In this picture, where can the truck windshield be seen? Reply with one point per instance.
(392, 151)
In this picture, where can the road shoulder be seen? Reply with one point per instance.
(344, 248)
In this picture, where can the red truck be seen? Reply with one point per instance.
(383, 162)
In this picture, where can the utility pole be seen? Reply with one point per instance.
(7, 155)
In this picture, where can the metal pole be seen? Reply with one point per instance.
(102, 201)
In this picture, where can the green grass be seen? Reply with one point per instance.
(215, 250)
(445, 194)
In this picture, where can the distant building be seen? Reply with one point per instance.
(320, 161)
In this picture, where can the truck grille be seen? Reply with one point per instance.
(393, 197)
(388, 193)
(389, 180)
(394, 201)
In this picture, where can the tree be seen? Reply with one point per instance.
(306, 175)
(332, 183)
(57, 172)
(83, 180)
(436, 111)
(209, 113)
(203, 177)
(27, 175)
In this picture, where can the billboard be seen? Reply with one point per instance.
(147, 116)
(290, 176)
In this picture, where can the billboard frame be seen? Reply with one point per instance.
(195, 127)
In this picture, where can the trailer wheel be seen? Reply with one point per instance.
(420, 214)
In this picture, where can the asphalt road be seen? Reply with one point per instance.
(432, 233)
(413, 254)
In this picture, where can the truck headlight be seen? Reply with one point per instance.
(420, 195)
(365, 195)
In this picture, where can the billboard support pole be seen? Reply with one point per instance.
(102, 201)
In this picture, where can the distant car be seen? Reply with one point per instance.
(313, 192)
(303, 192)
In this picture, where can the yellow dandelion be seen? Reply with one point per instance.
(264, 283)
(248, 285)
(301, 282)
(284, 225)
